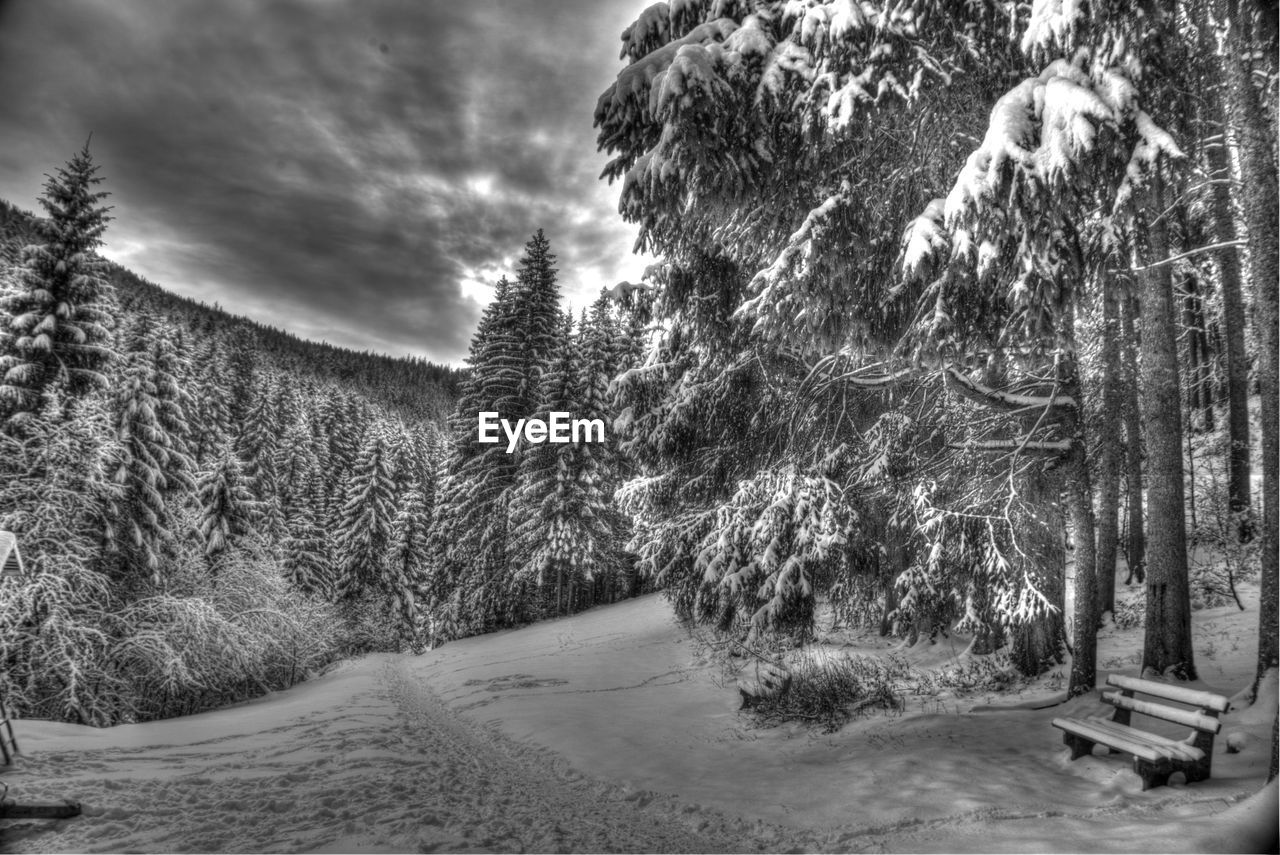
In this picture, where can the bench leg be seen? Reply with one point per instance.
(1152, 775)
(1198, 771)
(1080, 747)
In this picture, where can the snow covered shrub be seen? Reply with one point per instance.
(1219, 557)
(1130, 612)
(53, 647)
(55, 495)
(1212, 584)
(831, 690)
(215, 638)
(989, 673)
(72, 650)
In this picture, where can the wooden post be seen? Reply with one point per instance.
(8, 742)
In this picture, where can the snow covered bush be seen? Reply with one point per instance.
(213, 639)
(56, 495)
(1130, 612)
(829, 690)
(1220, 558)
(993, 672)
(74, 648)
(54, 646)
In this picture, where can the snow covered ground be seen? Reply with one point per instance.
(612, 731)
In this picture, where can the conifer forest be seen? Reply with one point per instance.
(947, 401)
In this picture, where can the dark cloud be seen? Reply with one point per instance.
(354, 171)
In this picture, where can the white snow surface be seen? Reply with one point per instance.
(611, 731)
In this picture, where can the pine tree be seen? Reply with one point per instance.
(510, 351)
(407, 567)
(227, 508)
(60, 315)
(211, 420)
(296, 467)
(546, 505)
(307, 556)
(537, 306)
(152, 468)
(604, 356)
(257, 447)
(470, 557)
(173, 402)
(344, 422)
(1167, 630)
(364, 529)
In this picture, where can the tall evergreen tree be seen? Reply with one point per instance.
(1167, 644)
(211, 420)
(547, 508)
(296, 467)
(471, 557)
(407, 566)
(60, 314)
(343, 421)
(308, 556)
(152, 467)
(538, 317)
(258, 444)
(364, 528)
(227, 508)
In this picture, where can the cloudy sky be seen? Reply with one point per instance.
(357, 171)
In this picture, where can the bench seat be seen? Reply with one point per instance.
(1149, 746)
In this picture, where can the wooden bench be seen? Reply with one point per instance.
(1155, 757)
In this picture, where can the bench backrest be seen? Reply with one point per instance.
(1191, 697)
(1190, 718)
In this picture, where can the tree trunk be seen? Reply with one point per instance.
(1109, 450)
(1036, 646)
(1275, 748)
(1137, 544)
(1217, 157)
(1167, 645)
(1259, 197)
(1084, 658)
(1199, 372)
(896, 558)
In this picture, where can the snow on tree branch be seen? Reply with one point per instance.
(974, 390)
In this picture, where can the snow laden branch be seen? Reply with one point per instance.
(1011, 446)
(759, 558)
(1035, 209)
(1011, 402)
(772, 286)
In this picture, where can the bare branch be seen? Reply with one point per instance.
(1171, 259)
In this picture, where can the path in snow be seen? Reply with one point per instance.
(386, 769)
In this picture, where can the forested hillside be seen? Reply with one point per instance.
(207, 507)
(410, 386)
